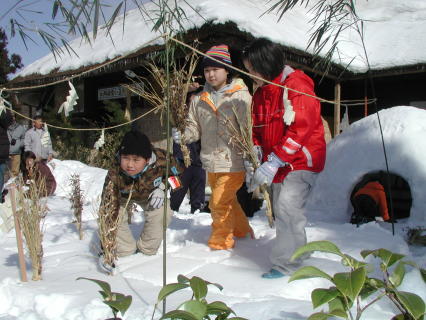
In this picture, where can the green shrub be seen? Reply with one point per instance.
(118, 302)
(197, 307)
(350, 288)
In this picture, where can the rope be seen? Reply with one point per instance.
(250, 75)
(83, 72)
(166, 37)
(86, 129)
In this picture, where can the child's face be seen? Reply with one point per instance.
(249, 68)
(29, 163)
(132, 164)
(216, 77)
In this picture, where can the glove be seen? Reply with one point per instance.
(12, 142)
(266, 172)
(249, 166)
(176, 135)
(156, 198)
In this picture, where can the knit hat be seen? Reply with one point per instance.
(136, 143)
(221, 53)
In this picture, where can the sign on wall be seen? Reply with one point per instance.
(111, 93)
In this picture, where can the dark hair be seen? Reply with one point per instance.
(266, 57)
(38, 118)
(26, 155)
(136, 143)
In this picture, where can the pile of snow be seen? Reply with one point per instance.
(59, 296)
(358, 151)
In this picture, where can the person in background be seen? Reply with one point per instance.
(16, 134)
(5, 121)
(34, 171)
(288, 131)
(38, 141)
(369, 202)
(139, 177)
(221, 97)
(193, 179)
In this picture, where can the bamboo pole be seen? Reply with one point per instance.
(22, 265)
(337, 109)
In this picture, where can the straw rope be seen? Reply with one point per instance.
(166, 37)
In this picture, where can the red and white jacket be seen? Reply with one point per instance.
(301, 143)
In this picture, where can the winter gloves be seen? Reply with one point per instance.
(266, 172)
(156, 198)
(176, 136)
(257, 150)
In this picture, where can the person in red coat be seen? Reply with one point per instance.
(288, 130)
(34, 171)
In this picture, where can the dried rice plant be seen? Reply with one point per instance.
(240, 137)
(108, 223)
(31, 212)
(76, 198)
(153, 89)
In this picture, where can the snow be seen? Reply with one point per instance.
(350, 155)
(394, 33)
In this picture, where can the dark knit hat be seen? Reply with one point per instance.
(137, 143)
(221, 53)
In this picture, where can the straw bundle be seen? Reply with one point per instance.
(154, 90)
(108, 223)
(76, 198)
(31, 211)
(240, 137)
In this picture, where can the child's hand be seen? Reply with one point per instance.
(156, 198)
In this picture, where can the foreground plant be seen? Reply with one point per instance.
(197, 307)
(353, 287)
(118, 302)
(31, 212)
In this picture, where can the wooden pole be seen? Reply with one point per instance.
(22, 265)
(336, 126)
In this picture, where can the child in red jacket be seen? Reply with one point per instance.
(288, 129)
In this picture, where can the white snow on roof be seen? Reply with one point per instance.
(394, 33)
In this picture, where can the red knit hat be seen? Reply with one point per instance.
(219, 52)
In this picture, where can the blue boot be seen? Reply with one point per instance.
(273, 274)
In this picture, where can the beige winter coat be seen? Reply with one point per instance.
(208, 113)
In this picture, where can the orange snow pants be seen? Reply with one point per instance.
(229, 219)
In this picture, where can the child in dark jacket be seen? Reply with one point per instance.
(140, 178)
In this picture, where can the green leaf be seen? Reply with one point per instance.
(423, 273)
(308, 272)
(337, 304)
(104, 285)
(398, 317)
(321, 296)
(199, 287)
(178, 314)
(349, 261)
(388, 257)
(120, 302)
(319, 316)
(370, 286)
(218, 307)
(182, 279)
(170, 288)
(54, 9)
(339, 313)
(323, 246)
(412, 302)
(398, 274)
(350, 283)
(196, 308)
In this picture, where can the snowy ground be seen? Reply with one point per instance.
(60, 296)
